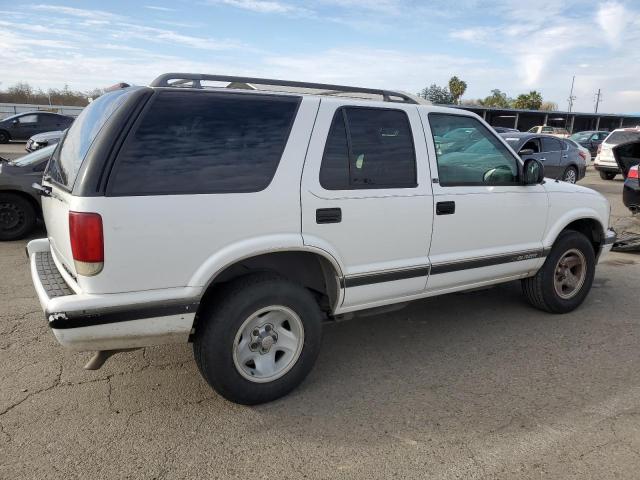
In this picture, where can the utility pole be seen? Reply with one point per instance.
(571, 96)
(598, 100)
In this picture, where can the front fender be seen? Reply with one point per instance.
(558, 224)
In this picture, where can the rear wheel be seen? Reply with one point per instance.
(259, 338)
(17, 216)
(565, 279)
(4, 137)
(607, 175)
(570, 175)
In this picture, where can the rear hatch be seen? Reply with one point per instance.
(63, 168)
(627, 155)
(617, 137)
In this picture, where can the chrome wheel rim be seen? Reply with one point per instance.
(268, 344)
(570, 274)
(570, 176)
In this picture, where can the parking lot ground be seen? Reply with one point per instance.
(474, 385)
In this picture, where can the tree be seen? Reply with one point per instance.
(457, 88)
(436, 94)
(528, 101)
(549, 106)
(497, 99)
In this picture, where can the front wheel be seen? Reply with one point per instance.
(607, 175)
(565, 279)
(4, 137)
(259, 338)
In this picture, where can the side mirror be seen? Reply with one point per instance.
(532, 172)
(526, 151)
(15, 122)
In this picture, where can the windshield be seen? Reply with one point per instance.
(35, 157)
(66, 161)
(623, 136)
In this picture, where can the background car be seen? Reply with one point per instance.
(587, 153)
(605, 161)
(505, 129)
(627, 156)
(561, 159)
(555, 131)
(19, 202)
(24, 125)
(590, 139)
(42, 140)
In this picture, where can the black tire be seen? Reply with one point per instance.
(607, 175)
(17, 216)
(539, 289)
(4, 137)
(221, 321)
(570, 175)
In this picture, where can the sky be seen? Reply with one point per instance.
(511, 45)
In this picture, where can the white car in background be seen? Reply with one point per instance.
(605, 162)
(546, 129)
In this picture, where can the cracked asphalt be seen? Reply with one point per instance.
(470, 386)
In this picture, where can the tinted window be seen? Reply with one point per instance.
(478, 158)
(623, 136)
(368, 148)
(65, 162)
(547, 129)
(551, 144)
(192, 142)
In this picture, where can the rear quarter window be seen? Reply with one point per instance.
(195, 142)
(622, 136)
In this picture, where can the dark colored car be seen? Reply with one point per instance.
(627, 157)
(590, 139)
(25, 125)
(42, 140)
(505, 129)
(19, 202)
(560, 157)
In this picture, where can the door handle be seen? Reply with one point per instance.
(542, 159)
(328, 215)
(445, 208)
(565, 156)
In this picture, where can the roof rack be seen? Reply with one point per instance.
(183, 79)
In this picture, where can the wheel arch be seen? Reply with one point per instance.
(587, 224)
(311, 267)
(4, 130)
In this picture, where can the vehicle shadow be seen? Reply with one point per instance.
(460, 364)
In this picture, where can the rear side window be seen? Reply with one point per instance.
(66, 160)
(368, 148)
(190, 143)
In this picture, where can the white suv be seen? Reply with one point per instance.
(605, 162)
(240, 219)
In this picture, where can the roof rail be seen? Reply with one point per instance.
(181, 79)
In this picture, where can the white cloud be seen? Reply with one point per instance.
(260, 6)
(159, 9)
(613, 18)
(99, 15)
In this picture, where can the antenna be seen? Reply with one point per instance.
(598, 99)
(571, 95)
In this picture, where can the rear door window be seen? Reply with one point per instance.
(551, 144)
(195, 142)
(369, 148)
(623, 136)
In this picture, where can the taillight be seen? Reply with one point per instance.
(87, 242)
(633, 172)
(582, 155)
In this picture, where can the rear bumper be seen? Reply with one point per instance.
(606, 168)
(110, 321)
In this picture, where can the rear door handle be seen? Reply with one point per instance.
(328, 215)
(445, 208)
